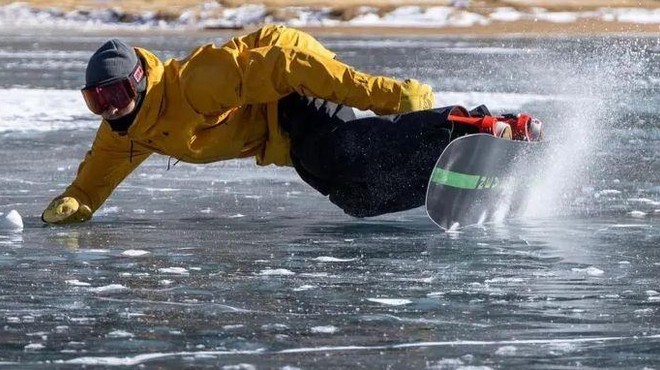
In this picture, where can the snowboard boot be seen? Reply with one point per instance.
(502, 130)
(525, 127)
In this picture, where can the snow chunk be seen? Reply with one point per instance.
(134, 253)
(506, 351)
(607, 193)
(34, 347)
(390, 301)
(173, 270)
(239, 367)
(334, 259)
(112, 288)
(119, 334)
(274, 272)
(76, 282)
(302, 288)
(328, 329)
(11, 221)
(591, 271)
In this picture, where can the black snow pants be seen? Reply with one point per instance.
(368, 166)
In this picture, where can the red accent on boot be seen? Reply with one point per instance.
(483, 124)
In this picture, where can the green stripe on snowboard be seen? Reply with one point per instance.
(463, 181)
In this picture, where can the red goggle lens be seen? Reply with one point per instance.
(117, 94)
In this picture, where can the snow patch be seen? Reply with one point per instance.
(390, 301)
(591, 271)
(75, 282)
(334, 259)
(34, 347)
(173, 270)
(327, 329)
(112, 288)
(303, 288)
(120, 334)
(134, 253)
(506, 351)
(276, 272)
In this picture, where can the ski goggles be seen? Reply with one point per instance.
(118, 93)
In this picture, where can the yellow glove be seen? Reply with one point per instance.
(66, 210)
(415, 96)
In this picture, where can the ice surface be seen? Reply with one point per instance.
(259, 278)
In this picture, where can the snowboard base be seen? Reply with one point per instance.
(481, 178)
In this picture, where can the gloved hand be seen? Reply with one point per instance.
(66, 210)
(415, 96)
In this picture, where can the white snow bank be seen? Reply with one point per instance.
(214, 15)
(43, 110)
(415, 16)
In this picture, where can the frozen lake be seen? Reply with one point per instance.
(230, 265)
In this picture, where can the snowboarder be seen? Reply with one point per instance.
(276, 94)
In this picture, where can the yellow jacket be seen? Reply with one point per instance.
(221, 103)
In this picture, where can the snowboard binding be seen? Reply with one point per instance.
(520, 126)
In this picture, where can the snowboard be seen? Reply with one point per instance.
(481, 178)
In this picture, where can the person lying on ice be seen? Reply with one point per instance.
(276, 94)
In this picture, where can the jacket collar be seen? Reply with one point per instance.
(153, 100)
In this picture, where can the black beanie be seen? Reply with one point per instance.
(113, 60)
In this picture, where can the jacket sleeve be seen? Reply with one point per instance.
(245, 72)
(109, 161)
(271, 73)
